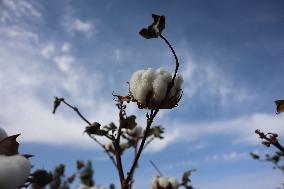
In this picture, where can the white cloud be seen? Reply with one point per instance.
(66, 47)
(64, 62)
(231, 156)
(236, 131)
(14, 11)
(48, 50)
(204, 79)
(76, 25)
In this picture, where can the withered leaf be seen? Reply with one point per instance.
(129, 122)
(9, 145)
(279, 106)
(186, 175)
(41, 178)
(254, 155)
(93, 129)
(56, 103)
(155, 29)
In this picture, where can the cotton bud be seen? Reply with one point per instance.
(149, 89)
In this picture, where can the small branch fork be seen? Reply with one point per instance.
(89, 123)
(272, 139)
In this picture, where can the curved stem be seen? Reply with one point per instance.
(176, 58)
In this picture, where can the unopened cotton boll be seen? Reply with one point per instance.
(174, 183)
(3, 134)
(14, 171)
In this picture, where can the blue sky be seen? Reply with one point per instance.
(231, 55)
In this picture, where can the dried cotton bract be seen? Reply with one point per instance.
(149, 89)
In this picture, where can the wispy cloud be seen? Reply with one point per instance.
(231, 156)
(205, 80)
(75, 25)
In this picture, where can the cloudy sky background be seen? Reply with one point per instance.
(231, 55)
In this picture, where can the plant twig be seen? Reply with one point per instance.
(117, 147)
(156, 168)
(148, 142)
(101, 145)
(82, 117)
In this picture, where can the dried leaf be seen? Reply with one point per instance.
(80, 164)
(254, 155)
(129, 122)
(56, 103)
(41, 178)
(9, 146)
(279, 106)
(155, 29)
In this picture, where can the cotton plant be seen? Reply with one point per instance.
(272, 139)
(152, 90)
(14, 167)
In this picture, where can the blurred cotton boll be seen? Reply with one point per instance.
(174, 183)
(14, 171)
(149, 88)
(3, 134)
(82, 186)
(164, 183)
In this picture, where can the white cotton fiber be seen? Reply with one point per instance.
(157, 81)
(174, 183)
(14, 171)
(3, 134)
(154, 183)
(163, 182)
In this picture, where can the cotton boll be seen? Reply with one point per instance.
(163, 182)
(135, 81)
(154, 183)
(160, 86)
(135, 132)
(143, 90)
(149, 75)
(173, 182)
(3, 134)
(14, 171)
(82, 186)
(177, 85)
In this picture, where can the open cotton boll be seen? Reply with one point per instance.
(14, 171)
(135, 80)
(174, 183)
(3, 134)
(163, 182)
(160, 86)
(155, 83)
(177, 84)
